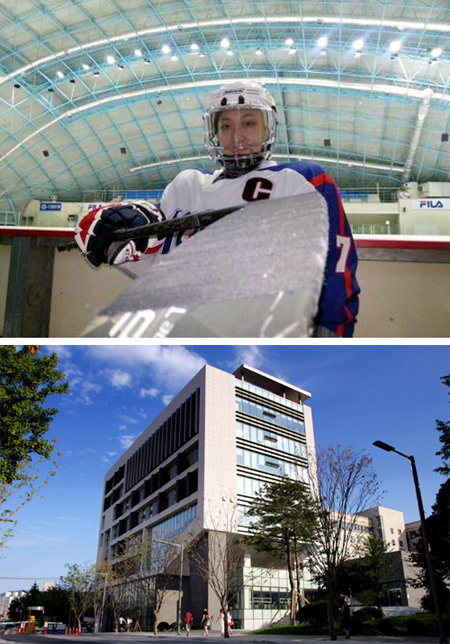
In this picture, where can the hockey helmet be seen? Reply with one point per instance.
(243, 94)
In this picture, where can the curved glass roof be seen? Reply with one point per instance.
(108, 94)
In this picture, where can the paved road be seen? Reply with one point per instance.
(196, 636)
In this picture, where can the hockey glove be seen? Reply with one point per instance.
(93, 233)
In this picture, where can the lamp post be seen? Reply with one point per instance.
(434, 597)
(180, 583)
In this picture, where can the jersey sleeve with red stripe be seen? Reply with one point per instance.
(338, 304)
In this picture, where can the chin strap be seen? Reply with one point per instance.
(233, 167)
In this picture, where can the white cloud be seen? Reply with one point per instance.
(126, 440)
(62, 351)
(129, 419)
(172, 366)
(167, 398)
(118, 378)
(108, 457)
(153, 392)
(251, 355)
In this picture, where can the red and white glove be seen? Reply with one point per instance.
(93, 233)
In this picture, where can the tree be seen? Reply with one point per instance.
(142, 575)
(345, 485)
(444, 428)
(375, 567)
(217, 555)
(80, 583)
(437, 530)
(26, 381)
(285, 517)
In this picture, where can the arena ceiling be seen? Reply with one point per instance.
(108, 94)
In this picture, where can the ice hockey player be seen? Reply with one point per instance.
(240, 126)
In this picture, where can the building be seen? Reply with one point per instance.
(219, 440)
(208, 452)
(6, 599)
(389, 525)
(413, 534)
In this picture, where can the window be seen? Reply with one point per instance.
(257, 435)
(276, 417)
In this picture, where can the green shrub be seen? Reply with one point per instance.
(386, 626)
(416, 627)
(369, 613)
(356, 625)
(314, 613)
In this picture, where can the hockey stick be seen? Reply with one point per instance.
(161, 229)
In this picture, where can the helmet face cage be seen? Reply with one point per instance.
(253, 97)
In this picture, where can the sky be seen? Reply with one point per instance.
(359, 394)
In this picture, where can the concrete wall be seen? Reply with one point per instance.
(398, 298)
(403, 299)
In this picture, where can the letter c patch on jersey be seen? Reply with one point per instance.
(257, 188)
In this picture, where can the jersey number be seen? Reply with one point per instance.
(344, 244)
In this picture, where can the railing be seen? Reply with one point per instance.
(9, 218)
(375, 229)
(374, 195)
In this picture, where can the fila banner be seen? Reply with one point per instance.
(431, 203)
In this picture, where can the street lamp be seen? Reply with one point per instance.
(389, 448)
(180, 583)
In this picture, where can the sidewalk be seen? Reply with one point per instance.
(197, 636)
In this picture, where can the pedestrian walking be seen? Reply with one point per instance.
(188, 622)
(206, 622)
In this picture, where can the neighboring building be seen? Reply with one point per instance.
(217, 442)
(389, 525)
(413, 534)
(6, 599)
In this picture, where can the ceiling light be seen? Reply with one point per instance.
(174, 58)
(289, 42)
(436, 52)
(194, 46)
(138, 52)
(110, 59)
(291, 51)
(229, 52)
(224, 43)
(85, 66)
(59, 74)
(322, 42)
(165, 49)
(395, 46)
(258, 52)
(146, 61)
(358, 44)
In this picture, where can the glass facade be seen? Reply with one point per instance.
(262, 393)
(272, 464)
(270, 415)
(270, 439)
(270, 443)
